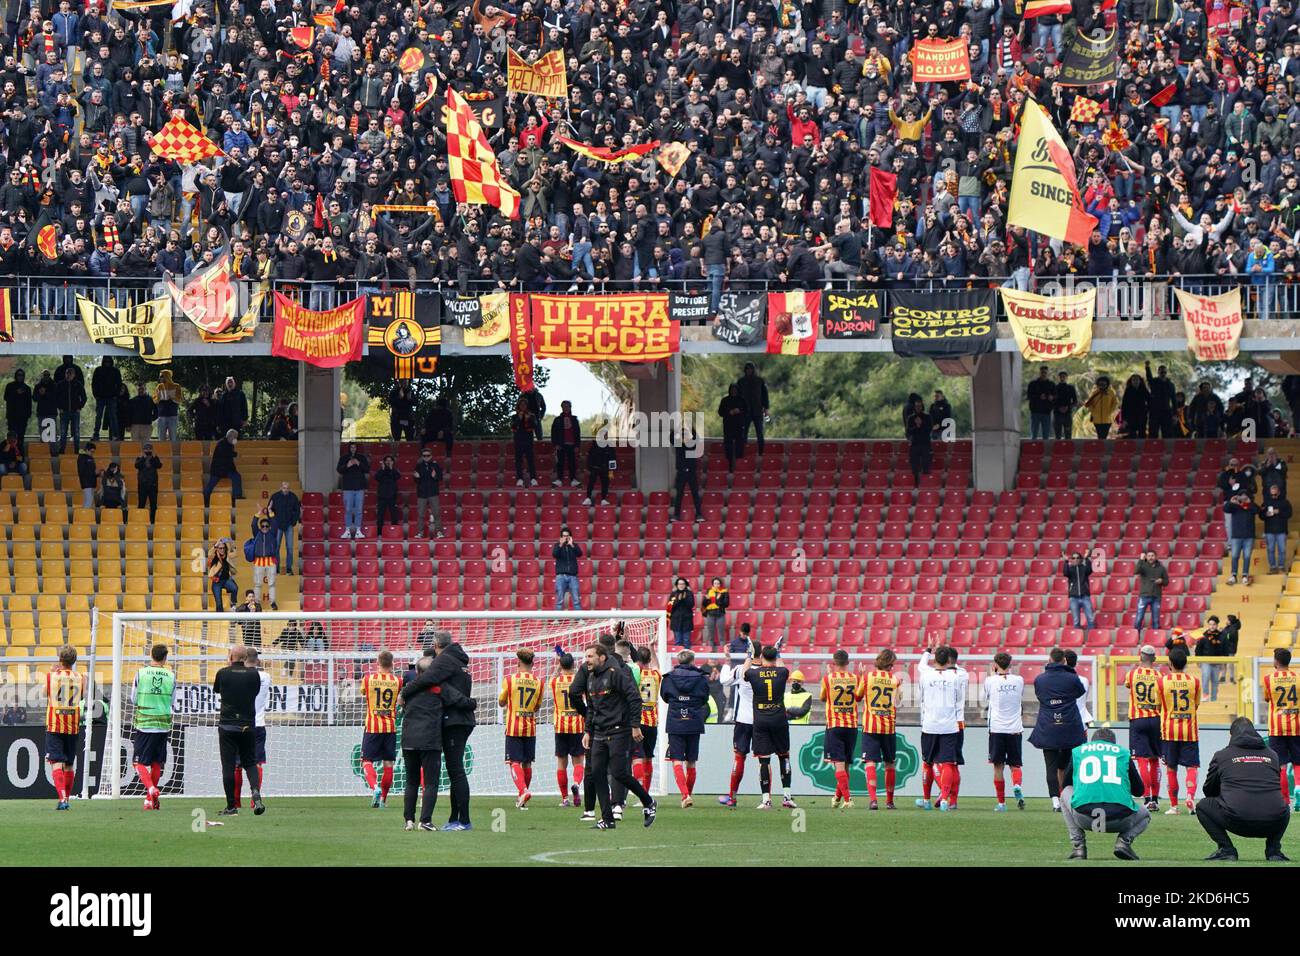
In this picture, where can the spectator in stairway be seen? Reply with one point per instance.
(401, 416)
(735, 422)
(567, 554)
(1134, 408)
(1272, 471)
(1259, 410)
(537, 406)
(251, 629)
(920, 429)
(232, 407)
(1181, 428)
(1077, 572)
(1210, 645)
(169, 396)
(1291, 391)
(123, 414)
(222, 467)
(205, 415)
(87, 475)
(1276, 513)
(1205, 412)
(284, 422)
(1177, 638)
(1241, 512)
(525, 429)
(354, 476)
(1152, 579)
(18, 406)
(940, 413)
(1160, 402)
(266, 555)
(1102, 403)
(1231, 637)
(221, 573)
(715, 604)
(1063, 408)
(386, 479)
(105, 383)
(428, 481)
(147, 467)
(292, 641)
(69, 400)
(1235, 480)
(440, 426)
(286, 513)
(1041, 395)
(681, 613)
(12, 459)
(143, 410)
(753, 391)
(112, 488)
(602, 462)
(1281, 428)
(686, 455)
(566, 436)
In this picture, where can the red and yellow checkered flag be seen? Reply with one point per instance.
(180, 141)
(1084, 110)
(475, 176)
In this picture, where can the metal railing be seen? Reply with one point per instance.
(1118, 298)
(1238, 680)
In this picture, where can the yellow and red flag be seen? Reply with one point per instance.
(412, 61)
(1084, 110)
(180, 141)
(47, 241)
(6, 317)
(326, 21)
(606, 155)
(475, 176)
(792, 321)
(544, 77)
(1042, 8)
(303, 37)
(672, 157)
(207, 297)
(1044, 191)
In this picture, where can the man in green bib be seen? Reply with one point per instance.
(154, 697)
(1101, 783)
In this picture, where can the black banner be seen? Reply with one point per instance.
(488, 110)
(943, 324)
(467, 313)
(23, 769)
(742, 318)
(689, 309)
(852, 315)
(404, 331)
(1089, 61)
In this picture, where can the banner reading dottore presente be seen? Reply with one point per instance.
(604, 328)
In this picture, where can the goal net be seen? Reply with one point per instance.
(315, 713)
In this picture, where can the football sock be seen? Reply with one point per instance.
(785, 773)
(562, 778)
(1171, 778)
(737, 772)
(1191, 777)
(1017, 776)
(239, 785)
(842, 784)
(261, 778)
(517, 775)
(891, 775)
(946, 771)
(679, 774)
(870, 770)
(368, 769)
(146, 778)
(60, 784)
(955, 789)
(1000, 786)
(927, 780)
(578, 770)
(649, 766)
(1286, 791)
(386, 782)
(765, 775)
(528, 775)
(690, 780)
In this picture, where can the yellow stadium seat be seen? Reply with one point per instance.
(23, 549)
(128, 451)
(6, 584)
(49, 621)
(56, 511)
(52, 550)
(42, 482)
(49, 602)
(23, 636)
(26, 499)
(1285, 622)
(136, 532)
(23, 532)
(80, 639)
(194, 583)
(105, 604)
(165, 550)
(138, 584)
(79, 601)
(81, 586)
(78, 619)
(81, 568)
(109, 551)
(25, 568)
(167, 517)
(192, 499)
(18, 602)
(29, 585)
(13, 482)
(136, 551)
(137, 516)
(81, 532)
(111, 531)
(164, 602)
(221, 499)
(164, 581)
(28, 515)
(21, 621)
(191, 603)
(81, 550)
(135, 603)
(190, 673)
(112, 584)
(85, 516)
(54, 583)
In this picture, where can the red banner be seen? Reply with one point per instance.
(940, 61)
(601, 328)
(521, 342)
(324, 339)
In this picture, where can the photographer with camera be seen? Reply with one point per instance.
(567, 555)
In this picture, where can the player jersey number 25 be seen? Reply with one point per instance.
(882, 699)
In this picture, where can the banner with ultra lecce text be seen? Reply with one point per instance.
(604, 328)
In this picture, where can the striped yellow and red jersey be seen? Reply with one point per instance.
(64, 689)
(521, 695)
(567, 718)
(380, 691)
(1180, 698)
(879, 690)
(840, 692)
(1283, 705)
(1143, 692)
(651, 680)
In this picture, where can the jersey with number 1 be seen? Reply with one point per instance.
(567, 718)
(521, 694)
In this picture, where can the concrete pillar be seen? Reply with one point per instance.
(658, 389)
(995, 416)
(320, 426)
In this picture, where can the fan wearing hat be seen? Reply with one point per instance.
(798, 700)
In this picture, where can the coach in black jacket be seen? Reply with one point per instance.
(424, 703)
(451, 669)
(1242, 795)
(613, 718)
(1059, 728)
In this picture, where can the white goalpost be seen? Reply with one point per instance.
(317, 662)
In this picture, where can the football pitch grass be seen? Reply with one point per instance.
(345, 831)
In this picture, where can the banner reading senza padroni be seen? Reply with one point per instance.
(851, 315)
(943, 324)
(325, 339)
(599, 328)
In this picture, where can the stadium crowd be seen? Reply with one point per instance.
(784, 106)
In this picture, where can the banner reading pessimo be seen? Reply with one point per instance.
(599, 328)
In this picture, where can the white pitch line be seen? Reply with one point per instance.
(549, 856)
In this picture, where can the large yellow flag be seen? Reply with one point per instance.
(1044, 192)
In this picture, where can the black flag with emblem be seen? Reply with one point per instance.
(404, 332)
